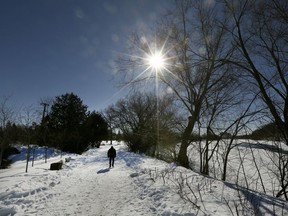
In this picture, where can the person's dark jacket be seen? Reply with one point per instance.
(111, 153)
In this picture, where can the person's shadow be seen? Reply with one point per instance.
(103, 171)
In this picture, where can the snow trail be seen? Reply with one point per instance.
(85, 186)
(94, 189)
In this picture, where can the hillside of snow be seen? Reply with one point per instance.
(137, 185)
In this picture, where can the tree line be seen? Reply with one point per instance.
(68, 126)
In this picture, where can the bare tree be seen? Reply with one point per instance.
(144, 121)
(198, 41)
(218, 115)
(192, 41)
(260, 34)
(262, 48)
(27, 121)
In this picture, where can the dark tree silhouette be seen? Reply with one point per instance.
(145, 122)
(66, 119)
(95, 129)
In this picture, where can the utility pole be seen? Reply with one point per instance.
(45, 105)
(43, 123)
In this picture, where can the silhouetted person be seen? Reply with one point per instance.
(111, 154)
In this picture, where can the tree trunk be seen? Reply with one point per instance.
(183, 159)
(3, 146)
(1, 154)
(225, 163)
(205, 170)
(27, 158)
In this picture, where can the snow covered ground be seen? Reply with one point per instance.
(137, 185)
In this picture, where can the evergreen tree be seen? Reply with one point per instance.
(66, 119)
(96, 129)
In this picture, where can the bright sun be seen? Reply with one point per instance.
(156, 61)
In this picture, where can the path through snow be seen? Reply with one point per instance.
(86, 186)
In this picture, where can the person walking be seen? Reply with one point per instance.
(111, 155)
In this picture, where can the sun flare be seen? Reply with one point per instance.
(156, 61)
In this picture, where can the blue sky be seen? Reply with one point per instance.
(51, 47)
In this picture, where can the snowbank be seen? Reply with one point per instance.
(138, 185)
